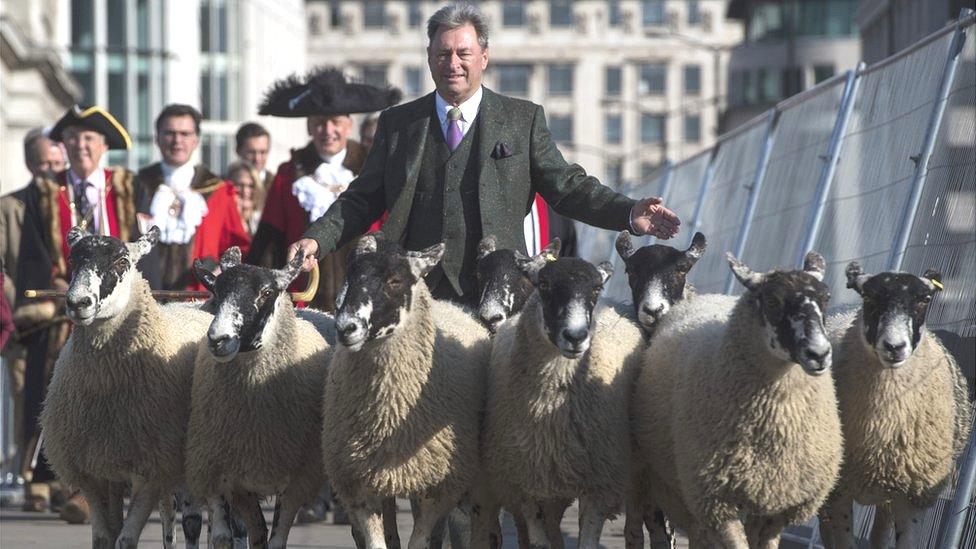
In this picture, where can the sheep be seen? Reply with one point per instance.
(502, 286)
(404, 392)
(904, 406)
(657, 278)
(750, 423)
(556, 425)
(255, 419)
(117, 407)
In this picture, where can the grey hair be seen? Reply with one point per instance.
(31, 156)
(458, 14)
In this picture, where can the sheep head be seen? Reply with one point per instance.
(377, 296)
(246, 303)
(568, 291)
(657, 275)
(501, 284)
(791, 306)
(102, 268)
(894, 308)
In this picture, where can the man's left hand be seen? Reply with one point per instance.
(649, 216)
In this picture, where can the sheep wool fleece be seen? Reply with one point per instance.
(118, 403)
(401, 415)
(256, 420)
(903, 427)
(558, 427)
(752, 432)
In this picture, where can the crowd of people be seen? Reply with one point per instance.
(450, 167)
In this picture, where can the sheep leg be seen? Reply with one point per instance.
(883, 527)
(908, 524)
(521, 528)
(552, 512)
(191, 519)
(145, 496)
(659, 529)
(730, 534)
(390, 532)
(219, 530)
(97, 494)
(247, 506)
(764, 532)
(116, 503)
(633, 526)
(485, 529)
(437, 534)
(284, 518)
(167, 518)
(430, 511)
(534, 516)
(367, 519)
(837, 523)
(592, 517)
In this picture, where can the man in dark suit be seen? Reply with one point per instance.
(465, 162)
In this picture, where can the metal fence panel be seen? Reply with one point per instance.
(789, 191)
(867, 201)
(725, 201)
(686, 182)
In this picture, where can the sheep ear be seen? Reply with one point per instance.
(204, 275)
(486, 246)
(75, 235)
(625, 245)
(606, 270)
(814, 265)
(530, 266)
(425, 260)
(855, 276)
(551, 251)
(230, 258)
(143, 244)
(697, 248)
(285, 275)
(933, 279)
(749, 278)
(367, 244)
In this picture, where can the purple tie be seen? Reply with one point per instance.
(454, 128)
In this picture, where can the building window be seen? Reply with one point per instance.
(513, 13)
(770, 85)
(115, 23)
(514, 79)
(414, 15)
(142, 24)
(614, 129)
(335, 16)
(652, 12)
(613, 13)
(205, 94)
(612, 84)
(560, 79)
(560, 13)
(411, 81)
(694, 13)
(374, 14)
(375, 75)
(692, 128)
(648, 171)
(561, 127)
(823, 72)
(652, 128)
(693, 79)
(792, 81)
(615, 172)
(314, 24)
(117, 87)
(653, 79)
(82, 24)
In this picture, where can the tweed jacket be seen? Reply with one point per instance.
(517, 158)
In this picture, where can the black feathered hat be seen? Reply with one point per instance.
(96, 119)
(325, 92)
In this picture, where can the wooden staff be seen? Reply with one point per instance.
(306, 295)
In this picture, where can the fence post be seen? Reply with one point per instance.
(703, 192)
(931, 134)
(757, 182)
(960, 501)
(831, 157)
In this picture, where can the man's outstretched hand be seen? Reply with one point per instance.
(649, 216)
(310, 248)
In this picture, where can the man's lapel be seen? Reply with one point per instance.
(489, 130)
(412, 140)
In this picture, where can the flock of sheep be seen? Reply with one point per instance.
(729, 417)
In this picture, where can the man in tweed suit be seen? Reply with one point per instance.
(464, 162)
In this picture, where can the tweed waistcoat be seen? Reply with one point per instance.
(448, 184)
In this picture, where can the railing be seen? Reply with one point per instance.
(876, 165)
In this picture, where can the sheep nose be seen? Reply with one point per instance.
(575, 336)
(349, 329)
(655, 312)
(818, 357)
(494, 319)
(894, 348)
(79, 302)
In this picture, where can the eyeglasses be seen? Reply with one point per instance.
(173, 134)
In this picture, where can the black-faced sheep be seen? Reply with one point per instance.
(256, 420)
(750, 425)
(904, 406)
(404, 393)
(557, 425)
(118, 404)
(503, 287)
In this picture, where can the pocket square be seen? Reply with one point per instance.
(501, 150)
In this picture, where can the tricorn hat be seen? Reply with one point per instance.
(326, 92)
(96, 119)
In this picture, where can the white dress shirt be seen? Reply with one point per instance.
(469, 110)
(176, 208)
(318, 191)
